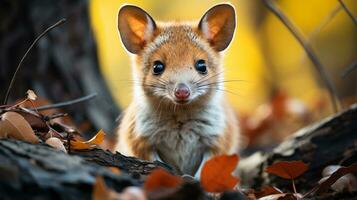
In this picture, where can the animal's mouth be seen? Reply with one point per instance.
(182, 102)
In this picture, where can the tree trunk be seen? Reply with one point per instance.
(62, 66)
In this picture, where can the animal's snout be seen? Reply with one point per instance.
(182, 92)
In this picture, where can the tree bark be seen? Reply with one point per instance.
(332, 141)
(38, 171)
(30, 171)
(62, 66)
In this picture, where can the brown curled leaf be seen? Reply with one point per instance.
(13, 125)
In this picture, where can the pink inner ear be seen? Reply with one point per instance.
(143, 30)
(137, 27)
(213, 30)
(210, 29)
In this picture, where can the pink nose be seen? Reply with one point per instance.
(182, 92)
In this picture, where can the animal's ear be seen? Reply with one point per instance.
(218, 24)
(136, 27)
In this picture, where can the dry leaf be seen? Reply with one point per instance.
(216, 174)
(101, 192)
(287, 169)
(94, 141)
(35, 122)
(273, 121)
(265, 191)
(56, 143)
(31, 95)
(333, 178)
(161, 179)
(284, 196)
(347, 182)
(13, 125)
(278, 104)
(132, 193)
(115, 170)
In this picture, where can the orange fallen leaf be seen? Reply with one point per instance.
(115, 170)
(13, 125)
(216, 174)
(102, 192)
(98, 138)
(94, 141)
(159, 179)
(287, 169)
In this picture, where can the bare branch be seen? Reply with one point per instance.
(348, 11)
(309, 51)
(25, 55)
(66, 103)
(324, 22)
(349, 69)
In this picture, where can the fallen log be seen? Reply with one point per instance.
(30, 171)
(331, 141)
(130, 165)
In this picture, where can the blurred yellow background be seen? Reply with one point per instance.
(263, 53)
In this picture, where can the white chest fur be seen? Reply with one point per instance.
(182, 137)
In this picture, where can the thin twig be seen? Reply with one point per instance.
(312, 36)
(308, 49)
(25, 55)
(57, 115)
(348, 11)
(324, 22)
(349, 69)
(66, 103)
(294, 187)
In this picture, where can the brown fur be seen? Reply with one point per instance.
(153, 124)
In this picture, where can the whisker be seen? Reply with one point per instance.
(158, 106)
(154, 86)
(232, 80)
(228, 91)
(211, 77)
(161, 83)
(208, 78)
(221, 89)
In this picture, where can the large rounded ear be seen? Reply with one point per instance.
(218, 25)
(136, 27)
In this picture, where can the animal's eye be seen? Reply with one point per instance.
(201, 66)
(158, 67)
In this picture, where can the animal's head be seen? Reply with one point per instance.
(179, 63)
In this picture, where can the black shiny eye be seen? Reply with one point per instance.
(158, 67)
(201, 66)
